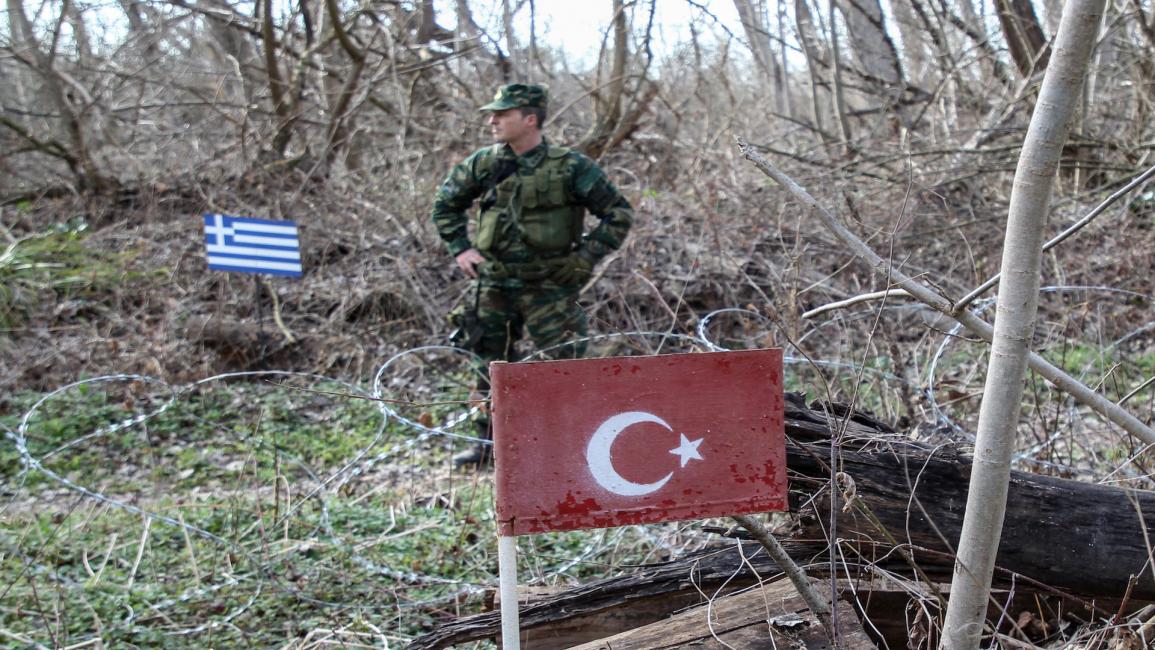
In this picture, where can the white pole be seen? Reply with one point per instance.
(507, 572)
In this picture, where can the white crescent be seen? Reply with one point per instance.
(601, 464)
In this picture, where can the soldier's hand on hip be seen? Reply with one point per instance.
(467, 260)
(572, 270)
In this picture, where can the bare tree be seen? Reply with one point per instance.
(284, 92)
(756, 25)
(1024, 35)
(1015, 323)
(516, 62)
(915, 49)
(815, 60)
(429, 30)
(338, 129)
(69, 137)
(783, 64)
(836, 81)
(873, 47)
(616, 109)
(135, 12)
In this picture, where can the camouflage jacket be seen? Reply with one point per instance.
(520, 214)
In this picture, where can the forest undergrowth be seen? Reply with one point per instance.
(192, 458)
(177, 489)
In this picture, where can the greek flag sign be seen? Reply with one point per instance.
(252, 245)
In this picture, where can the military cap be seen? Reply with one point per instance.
(518, 96)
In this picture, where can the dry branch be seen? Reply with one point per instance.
(818, 607)
(937, 301)
(1063, 539)
(966, 300)
(768, 615)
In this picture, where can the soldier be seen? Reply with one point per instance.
(530, 254)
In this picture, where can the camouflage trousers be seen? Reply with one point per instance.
(549, 312)
(507, 308)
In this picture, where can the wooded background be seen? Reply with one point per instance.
(122, 122)
(345, 117)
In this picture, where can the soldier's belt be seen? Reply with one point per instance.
(530, 271)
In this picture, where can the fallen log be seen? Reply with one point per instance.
(769, 615)
(899, 513)
(773, 615)
(1080, 538)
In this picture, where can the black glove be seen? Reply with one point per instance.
(572, 270)
(467, 328)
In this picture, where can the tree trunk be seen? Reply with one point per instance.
(339, 122)
(467, 28)
(904, 504)
(279, 90)
(1015, 323)
(783, 65)
(812, 49)
(836, 82)
(428, 30)
(769, 616)
(914, 49)
(754, 24)
(608, 102)
(79, 31)
(873, 47)
(66, 95)
(1024, 35)
(516, 61)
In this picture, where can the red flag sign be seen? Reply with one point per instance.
(594, 443)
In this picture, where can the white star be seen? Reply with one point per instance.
(687, 449)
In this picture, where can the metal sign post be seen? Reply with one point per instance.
(692, 436)
(507, 572)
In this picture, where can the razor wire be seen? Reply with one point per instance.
(928, 387)
(374, 452)
(1025, 456)
(384, 447)
(31, 463)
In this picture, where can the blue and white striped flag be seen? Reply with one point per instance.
(252, 245)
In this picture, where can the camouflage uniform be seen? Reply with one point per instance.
(532, 221)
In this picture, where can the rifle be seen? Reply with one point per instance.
(504, 169)
(469, 330)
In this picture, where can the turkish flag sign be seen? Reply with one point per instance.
(595, 443)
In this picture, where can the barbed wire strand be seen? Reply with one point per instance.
(383, 447)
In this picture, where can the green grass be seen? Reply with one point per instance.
(1117, 372)
(56, 265)
(243, 550)
(207, 436)
(69, 570)
(874, 387)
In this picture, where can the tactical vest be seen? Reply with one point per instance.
(534, 210)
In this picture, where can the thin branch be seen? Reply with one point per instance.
(866, 297)
(49, 147)
(1060, 238)
(1138, 389)
(938, 302)
(815, 602)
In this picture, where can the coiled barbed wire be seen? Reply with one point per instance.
(383, 447)
(377, 450)
(1026, 456)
